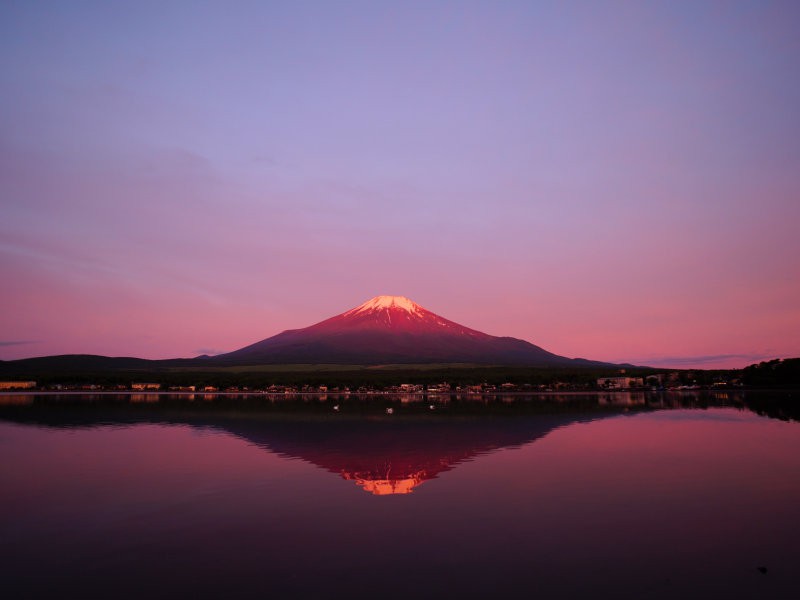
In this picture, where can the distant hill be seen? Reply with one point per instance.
(91, 366)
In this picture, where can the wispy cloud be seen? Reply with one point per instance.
(4, 343)
(208, 351)
(704, 359)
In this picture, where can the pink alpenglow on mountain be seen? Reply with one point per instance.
(393, 329)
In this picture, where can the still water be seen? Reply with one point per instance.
(614, 496)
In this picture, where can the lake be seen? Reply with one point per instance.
(658, 495)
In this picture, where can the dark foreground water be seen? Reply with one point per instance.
(624, 496)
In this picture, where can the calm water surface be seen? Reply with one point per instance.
(109, 498)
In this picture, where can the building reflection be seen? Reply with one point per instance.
(15, 399)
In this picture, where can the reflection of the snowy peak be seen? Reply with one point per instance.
(394, 456)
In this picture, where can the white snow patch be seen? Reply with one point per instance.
(386, 302)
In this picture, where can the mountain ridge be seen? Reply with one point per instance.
(393, 329)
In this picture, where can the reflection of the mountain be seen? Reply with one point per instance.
(383, 454)
(389, 455)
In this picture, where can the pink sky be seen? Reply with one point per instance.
(614, 182)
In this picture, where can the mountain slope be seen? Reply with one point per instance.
(393, 329)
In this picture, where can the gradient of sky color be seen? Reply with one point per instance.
(612, 180)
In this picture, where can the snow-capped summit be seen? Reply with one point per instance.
(386, 302)
(392, 313)
(392, 329)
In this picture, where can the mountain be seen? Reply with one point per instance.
(393, 330)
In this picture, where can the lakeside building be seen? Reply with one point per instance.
(439, 389)
(145, 386)
(619, 383)
(410, 387)
(17, 385)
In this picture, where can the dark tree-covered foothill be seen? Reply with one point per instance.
(781, 372)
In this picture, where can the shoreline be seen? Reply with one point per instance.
(420, 395)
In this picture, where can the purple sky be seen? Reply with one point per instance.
(617, 181)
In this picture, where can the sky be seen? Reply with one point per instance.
(617, 181)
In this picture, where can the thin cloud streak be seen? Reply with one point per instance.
(208, 352)
(703, 360)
